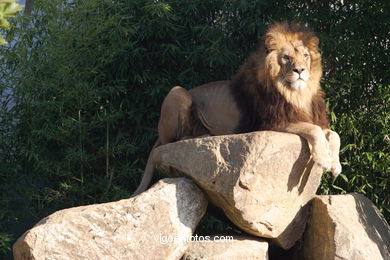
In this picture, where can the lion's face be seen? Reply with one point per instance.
(294, 61)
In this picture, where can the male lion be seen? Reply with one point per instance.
(277, 88)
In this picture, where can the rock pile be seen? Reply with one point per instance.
(264, 182)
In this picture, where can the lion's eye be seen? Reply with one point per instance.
(306, 55)
(286, 57)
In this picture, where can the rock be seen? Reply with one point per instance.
(261, 180)
(227, 247)
(345, 227)
(157, 224)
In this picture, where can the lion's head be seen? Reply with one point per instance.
(280, 82)
(289, 60)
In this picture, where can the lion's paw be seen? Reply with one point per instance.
(325, 162)
(336, 169)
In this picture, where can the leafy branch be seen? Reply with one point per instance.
(8, 9)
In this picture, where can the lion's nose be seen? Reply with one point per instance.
(298, 70)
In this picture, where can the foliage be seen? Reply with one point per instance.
(82, 86)
(8, 8)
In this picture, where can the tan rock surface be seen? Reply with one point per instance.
(261, 180)
(153, 225)
(229, 247)
(346, 227)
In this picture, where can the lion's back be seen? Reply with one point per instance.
(216, 107)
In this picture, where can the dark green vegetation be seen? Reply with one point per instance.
(89, 77)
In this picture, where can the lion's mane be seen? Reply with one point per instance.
(265, 102)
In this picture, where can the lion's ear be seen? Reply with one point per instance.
(313, 43)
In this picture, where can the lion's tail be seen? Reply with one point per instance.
(148, 173)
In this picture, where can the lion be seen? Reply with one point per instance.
(277, 88)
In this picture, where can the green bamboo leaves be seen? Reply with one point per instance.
(8, 8)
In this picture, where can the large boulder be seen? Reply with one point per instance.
(261, 180)
(345, 227)
(157, 224)
(224, 247)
